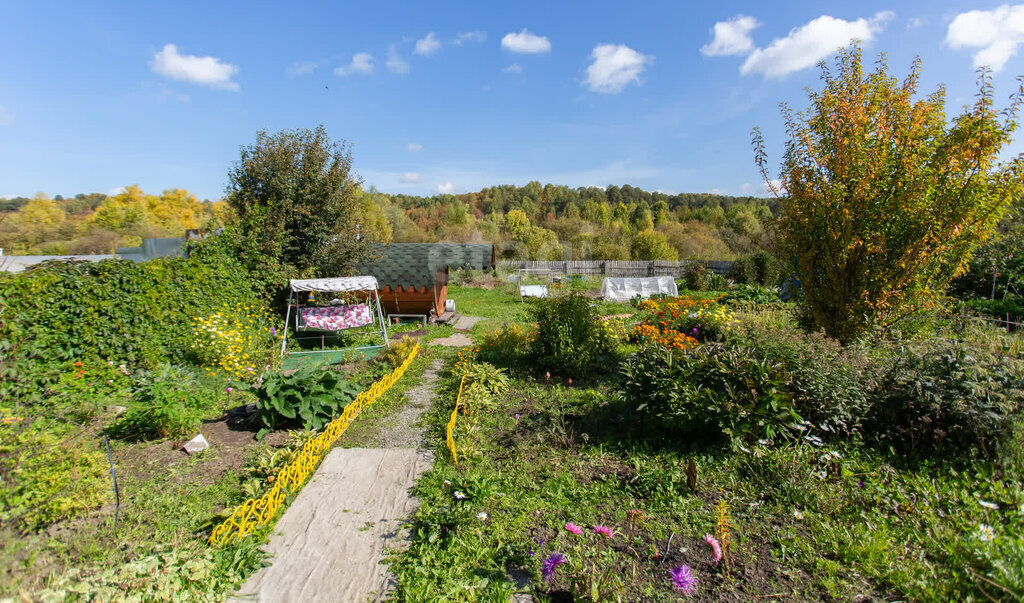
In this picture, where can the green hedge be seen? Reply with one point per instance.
(116, 309)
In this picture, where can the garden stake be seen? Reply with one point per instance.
(113, 478)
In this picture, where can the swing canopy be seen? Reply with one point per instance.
(339, 284)
(330, 319)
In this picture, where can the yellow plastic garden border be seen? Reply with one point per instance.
(451, 424)
(256, 512)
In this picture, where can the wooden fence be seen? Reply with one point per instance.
(613, 267)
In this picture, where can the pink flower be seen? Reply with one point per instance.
(228, 389)
(575, 529)
(603, 530)
(716, 548)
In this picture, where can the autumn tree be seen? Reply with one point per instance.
(651, 245)
(882, 200)
(296, 199)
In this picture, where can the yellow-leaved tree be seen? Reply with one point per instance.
(882, 200)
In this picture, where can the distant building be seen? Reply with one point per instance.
(413, 277)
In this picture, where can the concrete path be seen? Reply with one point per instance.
(329, 544)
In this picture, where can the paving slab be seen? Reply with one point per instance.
(466, 323)
(457, 340)
(329, 544)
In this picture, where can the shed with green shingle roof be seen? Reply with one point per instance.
(413, 277)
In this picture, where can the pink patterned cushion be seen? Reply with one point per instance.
(335, 318)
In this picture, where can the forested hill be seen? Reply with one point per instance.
(532, 222)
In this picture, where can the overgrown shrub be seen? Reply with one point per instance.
(946, 399)
(829, 383)
(713, 392)
(117, 309)
(395, 354)
(569, 334)
(311, 397)
(759, 268)
(508, 346)
(696, 277)
(48, 478)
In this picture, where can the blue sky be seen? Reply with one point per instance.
(448, 96)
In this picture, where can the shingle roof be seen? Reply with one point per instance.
(415, 264)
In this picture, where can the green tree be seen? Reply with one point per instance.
(296, 199)
(651, 245)
(884, 202)
(517, 225)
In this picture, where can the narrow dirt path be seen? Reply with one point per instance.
(329, 544)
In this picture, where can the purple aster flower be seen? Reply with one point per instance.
(682, 579)
(575, 529)
(273, 331)
(551, 564)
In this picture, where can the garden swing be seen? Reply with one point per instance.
(323, 321)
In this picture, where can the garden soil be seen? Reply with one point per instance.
(330, 543)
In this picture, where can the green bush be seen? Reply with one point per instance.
(508, 346)
(829, 383)
(713, 392)
(696, 277)
(946, 399)
(397, 352)
(311, 396)
(48, 478)
(116, 309)
(752, 294)
(169, 403)
(569, 333)
(758, 268)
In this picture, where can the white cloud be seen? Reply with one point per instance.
(6, 117)
(998, 33)
(731, 37)
(915, 22)
(805, 46)
(299, 68)
(116, 191)
(772, 187)
(745, 188)
(428, 45)
(526, 43)
(208, 71)
(446, 189)
(395, 64)
(362, 62)
(469, 36)
(614, 67)
(410, 178)
(513, 68)
(412, 147)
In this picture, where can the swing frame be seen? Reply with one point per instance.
(347, 284)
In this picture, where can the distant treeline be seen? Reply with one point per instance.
(529, 222)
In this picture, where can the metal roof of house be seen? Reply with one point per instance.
(415, 264)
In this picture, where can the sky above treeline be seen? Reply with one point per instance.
(450, 96)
